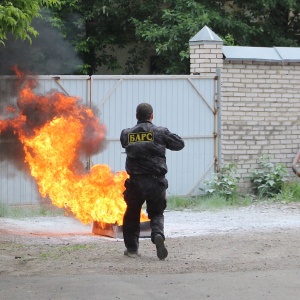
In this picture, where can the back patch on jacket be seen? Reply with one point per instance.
(140, 137)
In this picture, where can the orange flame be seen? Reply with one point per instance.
(53, 141)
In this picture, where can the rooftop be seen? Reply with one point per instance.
(242, 53)
(269, 54)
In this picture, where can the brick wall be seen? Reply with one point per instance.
(205, 58)
(260, 114)
(260, 109)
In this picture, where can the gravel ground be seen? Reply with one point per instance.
(259, 238)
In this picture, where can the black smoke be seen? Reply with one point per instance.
(48, 54)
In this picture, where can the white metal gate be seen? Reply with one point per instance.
(186, 105)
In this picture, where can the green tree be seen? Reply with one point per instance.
(270, 22)
(179, 21)
(16, 17)
(247, 23)
(99, 29)
(171, 31)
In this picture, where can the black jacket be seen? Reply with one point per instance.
(146, 145)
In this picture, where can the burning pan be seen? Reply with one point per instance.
(116, 231)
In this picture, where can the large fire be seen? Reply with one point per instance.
(56, 131)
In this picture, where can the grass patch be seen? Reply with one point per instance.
(208, 202)
(29, 211)
(290, 192)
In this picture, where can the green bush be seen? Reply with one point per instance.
(268, 180)
(224, 183)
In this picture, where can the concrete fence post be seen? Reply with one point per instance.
(205, 52)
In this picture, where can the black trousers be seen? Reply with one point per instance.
(138, 190)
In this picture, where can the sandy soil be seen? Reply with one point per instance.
(259, 237)
(247, 253)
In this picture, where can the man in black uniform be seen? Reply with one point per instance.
(145, 146)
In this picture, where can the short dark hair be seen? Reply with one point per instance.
(144, 111)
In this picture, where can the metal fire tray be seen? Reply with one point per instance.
(116, 231)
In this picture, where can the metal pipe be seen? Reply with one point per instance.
(219, 108)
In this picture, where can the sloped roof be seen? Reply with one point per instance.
(238, 53)
(269, 54)
(205, 35)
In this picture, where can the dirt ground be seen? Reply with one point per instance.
(260, 240)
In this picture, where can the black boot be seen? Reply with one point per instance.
(161, 249)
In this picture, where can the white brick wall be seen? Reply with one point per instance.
(260, 109)
(261, 104)
(205, 58)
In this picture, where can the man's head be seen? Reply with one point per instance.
(144, 112)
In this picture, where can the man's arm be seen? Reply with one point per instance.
(173, 141)
(124, 138)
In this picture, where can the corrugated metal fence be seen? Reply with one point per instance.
(187, 105)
